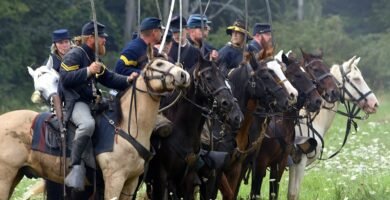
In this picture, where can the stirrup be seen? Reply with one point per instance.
(75, 178)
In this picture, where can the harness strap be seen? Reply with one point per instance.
(142, 151)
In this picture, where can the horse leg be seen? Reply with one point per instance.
(297, 171)
(233, 177)
(259, 170)
(9, 178)
(113, 183)
(274, 180)
(224, 187)
(129, 188)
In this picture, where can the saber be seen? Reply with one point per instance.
(167, 27)
(95, 30)
(269, 18)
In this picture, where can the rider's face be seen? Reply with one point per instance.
(63, 46)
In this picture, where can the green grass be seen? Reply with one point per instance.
(360, 172)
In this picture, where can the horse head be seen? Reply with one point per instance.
(267, 55)
(353, 86)
(272, 82)
(308, 94)
(45, 81)
(320, 73)
(209, 80)
(162, 76)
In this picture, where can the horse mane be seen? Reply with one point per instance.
(117, 109)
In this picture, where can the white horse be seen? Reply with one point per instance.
(354, 89)
(276, 66)
(45, 81)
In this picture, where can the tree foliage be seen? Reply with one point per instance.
(341, 28)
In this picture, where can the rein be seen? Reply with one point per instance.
(351, 111)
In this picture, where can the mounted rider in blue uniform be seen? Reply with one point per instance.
(197, 36)
(231, 55)
(262, 33)
(78, 76)
(133, 58)
(189, 55)
(60, 46)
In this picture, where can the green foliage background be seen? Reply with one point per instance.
(341, 28)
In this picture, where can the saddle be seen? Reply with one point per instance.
(48, 135)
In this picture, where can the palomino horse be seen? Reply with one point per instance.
(173, 169)
(277, 145)
(353, 89)
(252, 83)
(120, 172)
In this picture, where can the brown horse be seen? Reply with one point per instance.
(120, 168)
(280, 138)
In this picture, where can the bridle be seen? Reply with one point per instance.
(317, 80)
(161, 76)
(280, 82)
(200, 83)
(344, 90)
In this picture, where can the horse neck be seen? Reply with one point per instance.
(188, 118)
(325, 117)
(242, 135)
(143, 115)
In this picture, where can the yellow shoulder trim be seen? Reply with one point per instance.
(69, 68)
(128, 62)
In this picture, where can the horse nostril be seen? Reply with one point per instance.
(225, 103)
(318, 102)
(183, 75)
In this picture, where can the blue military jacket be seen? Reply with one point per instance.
(189, 55)
(73, 75)
(254, 47)
(132, 58)
(230, 56)
(56, 61)
(206, 50)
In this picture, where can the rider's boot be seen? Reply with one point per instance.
(76, 176)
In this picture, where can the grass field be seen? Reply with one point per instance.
(360, 172)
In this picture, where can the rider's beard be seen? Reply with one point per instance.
(102, 49)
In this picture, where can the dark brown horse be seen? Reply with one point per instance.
(173, 170)
(280, 133)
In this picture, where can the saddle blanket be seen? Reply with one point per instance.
(47, 137)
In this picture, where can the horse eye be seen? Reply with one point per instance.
(357, 79)
(159, 64)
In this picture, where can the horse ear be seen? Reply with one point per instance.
(320, 52)
(247, 57)
(350, 61)
(356, 62)
(49, 63)
(285, 60)
(304, 54)
(278, 56)
(31, 71)
(261, 55)
(149, 52)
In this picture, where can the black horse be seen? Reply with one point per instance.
(172, 170)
